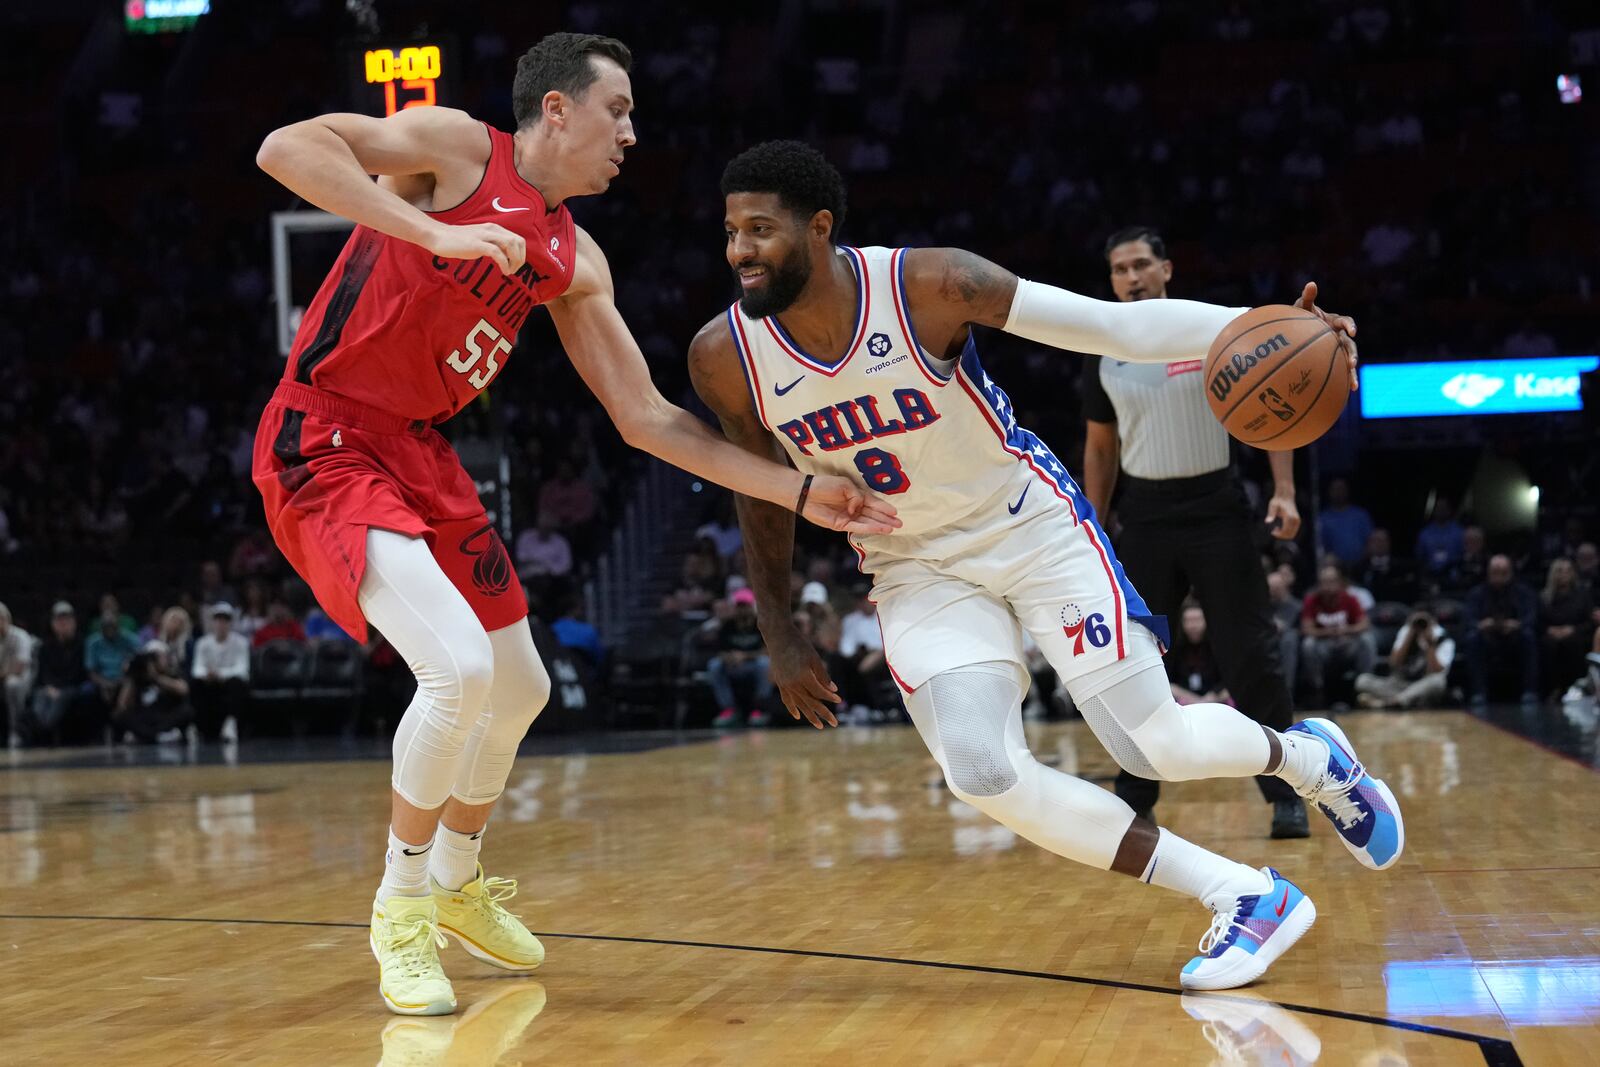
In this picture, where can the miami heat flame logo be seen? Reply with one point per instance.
(491, 565)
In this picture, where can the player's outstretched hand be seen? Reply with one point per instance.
(507, 250)
(840, 504)
(1343, 325)
(802, 680)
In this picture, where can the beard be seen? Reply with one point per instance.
(784, 283)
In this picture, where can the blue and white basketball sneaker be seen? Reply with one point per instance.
(1361, 807)
(1248, 933)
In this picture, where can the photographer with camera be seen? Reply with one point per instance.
(1418, 665)
(153, 703)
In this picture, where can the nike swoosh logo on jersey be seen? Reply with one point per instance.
(782, 389)
(1014, 508)
(495, 203)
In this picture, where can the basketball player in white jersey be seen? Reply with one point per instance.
(862, 362)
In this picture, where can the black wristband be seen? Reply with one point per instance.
(805, 490)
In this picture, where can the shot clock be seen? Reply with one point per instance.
(389, 77)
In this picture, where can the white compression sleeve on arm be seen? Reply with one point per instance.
(1144, 331)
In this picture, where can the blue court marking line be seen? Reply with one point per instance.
(1497, 1052)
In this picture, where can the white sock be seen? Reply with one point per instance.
(1304, 759)
(455, 857)
(1185, 867)
(405, 869)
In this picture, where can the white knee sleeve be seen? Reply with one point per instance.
(1152, 735)
(971, 720)
(412, 603)
(520, 690)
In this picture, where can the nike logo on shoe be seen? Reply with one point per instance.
(495, 203)
(1014, 508)
(782, 389)
(1282, 904)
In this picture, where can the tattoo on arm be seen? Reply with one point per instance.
(979, 286)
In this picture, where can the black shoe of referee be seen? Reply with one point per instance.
(1289, 819)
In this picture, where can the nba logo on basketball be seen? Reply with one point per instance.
(1077, 626)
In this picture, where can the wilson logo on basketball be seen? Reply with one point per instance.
(491, 565)
(1229, 373)
(1078, 626)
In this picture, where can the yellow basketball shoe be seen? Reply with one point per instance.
(405, 939)
(474, 916)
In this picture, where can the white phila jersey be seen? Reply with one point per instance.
(937, 437)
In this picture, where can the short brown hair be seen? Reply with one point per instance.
(561, 62)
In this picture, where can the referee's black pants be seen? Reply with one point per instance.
(1200, 532)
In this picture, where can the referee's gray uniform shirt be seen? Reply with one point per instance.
(1163, 421)
(1185, 522)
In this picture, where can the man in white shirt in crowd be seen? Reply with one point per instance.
(1419, 663)
(16, 670)
(861, 647)
(221, 682)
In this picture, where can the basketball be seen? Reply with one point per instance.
(1275, 377)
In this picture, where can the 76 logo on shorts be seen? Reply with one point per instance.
(1078, 626)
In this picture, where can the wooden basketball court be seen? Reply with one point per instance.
(785, 897)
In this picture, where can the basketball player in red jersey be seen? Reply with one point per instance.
(463, 234)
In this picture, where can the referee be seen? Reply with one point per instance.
(1185, 519)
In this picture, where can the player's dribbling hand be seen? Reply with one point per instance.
(1343, 325)
(507, 250)
(839, 504)
(802, 680)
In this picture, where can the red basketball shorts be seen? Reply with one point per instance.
(329, 468)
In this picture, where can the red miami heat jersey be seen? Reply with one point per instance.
(399, 329)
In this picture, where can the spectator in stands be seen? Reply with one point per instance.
(542, 551)
(1586, 570)
(1468, 572)
(741, 659)
(1335, 631)
(574, 630)
(567, 499)
(723, 530)
(153, 701)
(1343, 527)
(1501, 616)
(212, 589)
(1192, 668)
(1385, 575)
(106, 654)
(102, 517)
(318, 627)
(699, 585)
(16, 671)
(1439, 545)
(63, 689)
(864, 676)
(1419, 665)
(177, 633)
(1286, 617)
(1566, 626)
(823, 620)
(253, 614)
(281, 625)
(253, 556)
(220, 678)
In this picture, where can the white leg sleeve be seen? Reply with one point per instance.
(408, 598)
(1152, 735)
(971, 720)
(520, 689)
